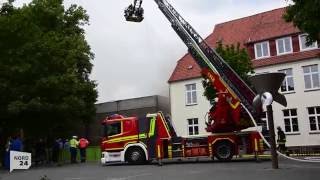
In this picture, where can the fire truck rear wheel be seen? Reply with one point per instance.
(224, 151)
(135, 156)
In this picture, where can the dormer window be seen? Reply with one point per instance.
(190, 67)
(303, 40)
(262, 50)
(284, 45)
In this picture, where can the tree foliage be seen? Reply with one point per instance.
(45, 63)
(237, 58)
(306, 16)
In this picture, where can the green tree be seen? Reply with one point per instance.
(45, 63)
(237, 58)
(305, 14)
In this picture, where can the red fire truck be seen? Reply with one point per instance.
(133, 140)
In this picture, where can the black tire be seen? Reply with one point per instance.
(135, 156)
(224, 151)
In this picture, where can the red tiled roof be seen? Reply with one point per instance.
(186, 68)
(297, 56)
(259, 27)
(253, 28)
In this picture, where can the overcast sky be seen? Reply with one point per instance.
(137, 59)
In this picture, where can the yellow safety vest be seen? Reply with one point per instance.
(74, 143)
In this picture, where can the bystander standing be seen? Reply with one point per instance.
(7, 154)
(83, 144)
(73, 149)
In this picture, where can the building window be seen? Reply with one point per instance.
(314, 118)
(284, 45)
(191, 94)
(193, 126)
(303, 40)
(311, 77)
(287, 84)
(262, 49)
(290, 120)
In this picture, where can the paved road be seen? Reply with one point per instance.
(203, 170)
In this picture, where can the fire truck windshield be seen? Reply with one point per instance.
(112, 129)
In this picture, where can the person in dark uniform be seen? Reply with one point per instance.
(281, 140)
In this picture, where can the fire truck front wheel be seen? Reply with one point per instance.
(135, 155)
(224, 150)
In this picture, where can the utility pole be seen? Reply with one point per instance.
(267, 86)
(274, 155)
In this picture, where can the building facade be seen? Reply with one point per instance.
(273, 46)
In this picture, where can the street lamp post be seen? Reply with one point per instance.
(267, 86)
(274, 155)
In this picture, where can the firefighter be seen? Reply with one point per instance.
(73, 148)
(281, 140)
(83, 144)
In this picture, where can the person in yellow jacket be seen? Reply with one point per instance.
(74, 149)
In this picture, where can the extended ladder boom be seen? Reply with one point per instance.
(212, 60)
(206, 57)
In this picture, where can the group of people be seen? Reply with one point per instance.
(46, 151)
(82, 144)
(60, 148)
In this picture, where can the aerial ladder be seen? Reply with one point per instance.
(234, 95)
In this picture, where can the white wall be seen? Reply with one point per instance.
(300, 100)
(180, 112)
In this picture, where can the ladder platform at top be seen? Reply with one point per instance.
(134, 18)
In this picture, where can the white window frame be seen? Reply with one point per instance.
(290, 117)
(255, 50)
(286, 79)
(307, 48)
(317, 118)
(277, 45)
(191, 91)
(311, 76)
(193, 125)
